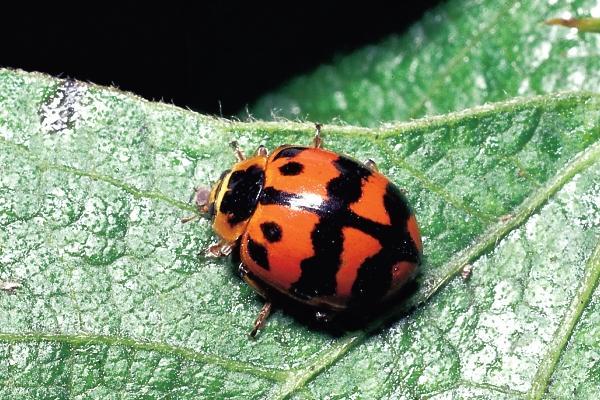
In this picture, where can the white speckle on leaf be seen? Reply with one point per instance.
(412, 70)
(9, 180)
(340, 100)
(63, 108)
(595, 10)
(575, 51)
(505, 294)
(480, 82)
(131, 285)
(19, 355)
(6, 133)
(565, 14)
(576, 78)
(491, 142)
(123, 156)
(540, 54)
(530, 227)
(134, 214)
(475, 364)
(524, 86)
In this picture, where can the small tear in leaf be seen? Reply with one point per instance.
(581, 24)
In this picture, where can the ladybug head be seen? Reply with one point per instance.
(233, 198)
(208, 198)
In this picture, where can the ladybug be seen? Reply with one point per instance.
(313, 226)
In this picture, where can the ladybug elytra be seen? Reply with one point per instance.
(313, 226)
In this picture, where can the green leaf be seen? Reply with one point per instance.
(104, 294)
(118, 300)
(462, 54)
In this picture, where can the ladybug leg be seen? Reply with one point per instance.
(239, 154)
(189, 218)
(221, 249)
(265, 311)
(317, 139)
(371, 165)
(200, 197)
(262, 151)
(261, 319)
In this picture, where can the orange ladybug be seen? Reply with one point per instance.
(315, 227)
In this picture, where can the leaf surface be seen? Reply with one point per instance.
(117, 299)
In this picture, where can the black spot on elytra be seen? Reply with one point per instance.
(291, 168)
(270, 195)
(243, 190)
(319, 271)
(289, 152)
(348, 186)
(374, 278)
(258, 253)
(271, 231)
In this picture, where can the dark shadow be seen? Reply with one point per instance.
(209, 56)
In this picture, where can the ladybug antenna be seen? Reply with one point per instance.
(236, 150)
(317, 140)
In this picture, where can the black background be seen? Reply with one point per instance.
(194, 55)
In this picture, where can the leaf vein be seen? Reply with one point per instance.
(439, 80)
(79, 340)
(135, 192)
(477, 385)
(429, 184)
(563, 334)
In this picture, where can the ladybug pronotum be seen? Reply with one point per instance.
(315, 227)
